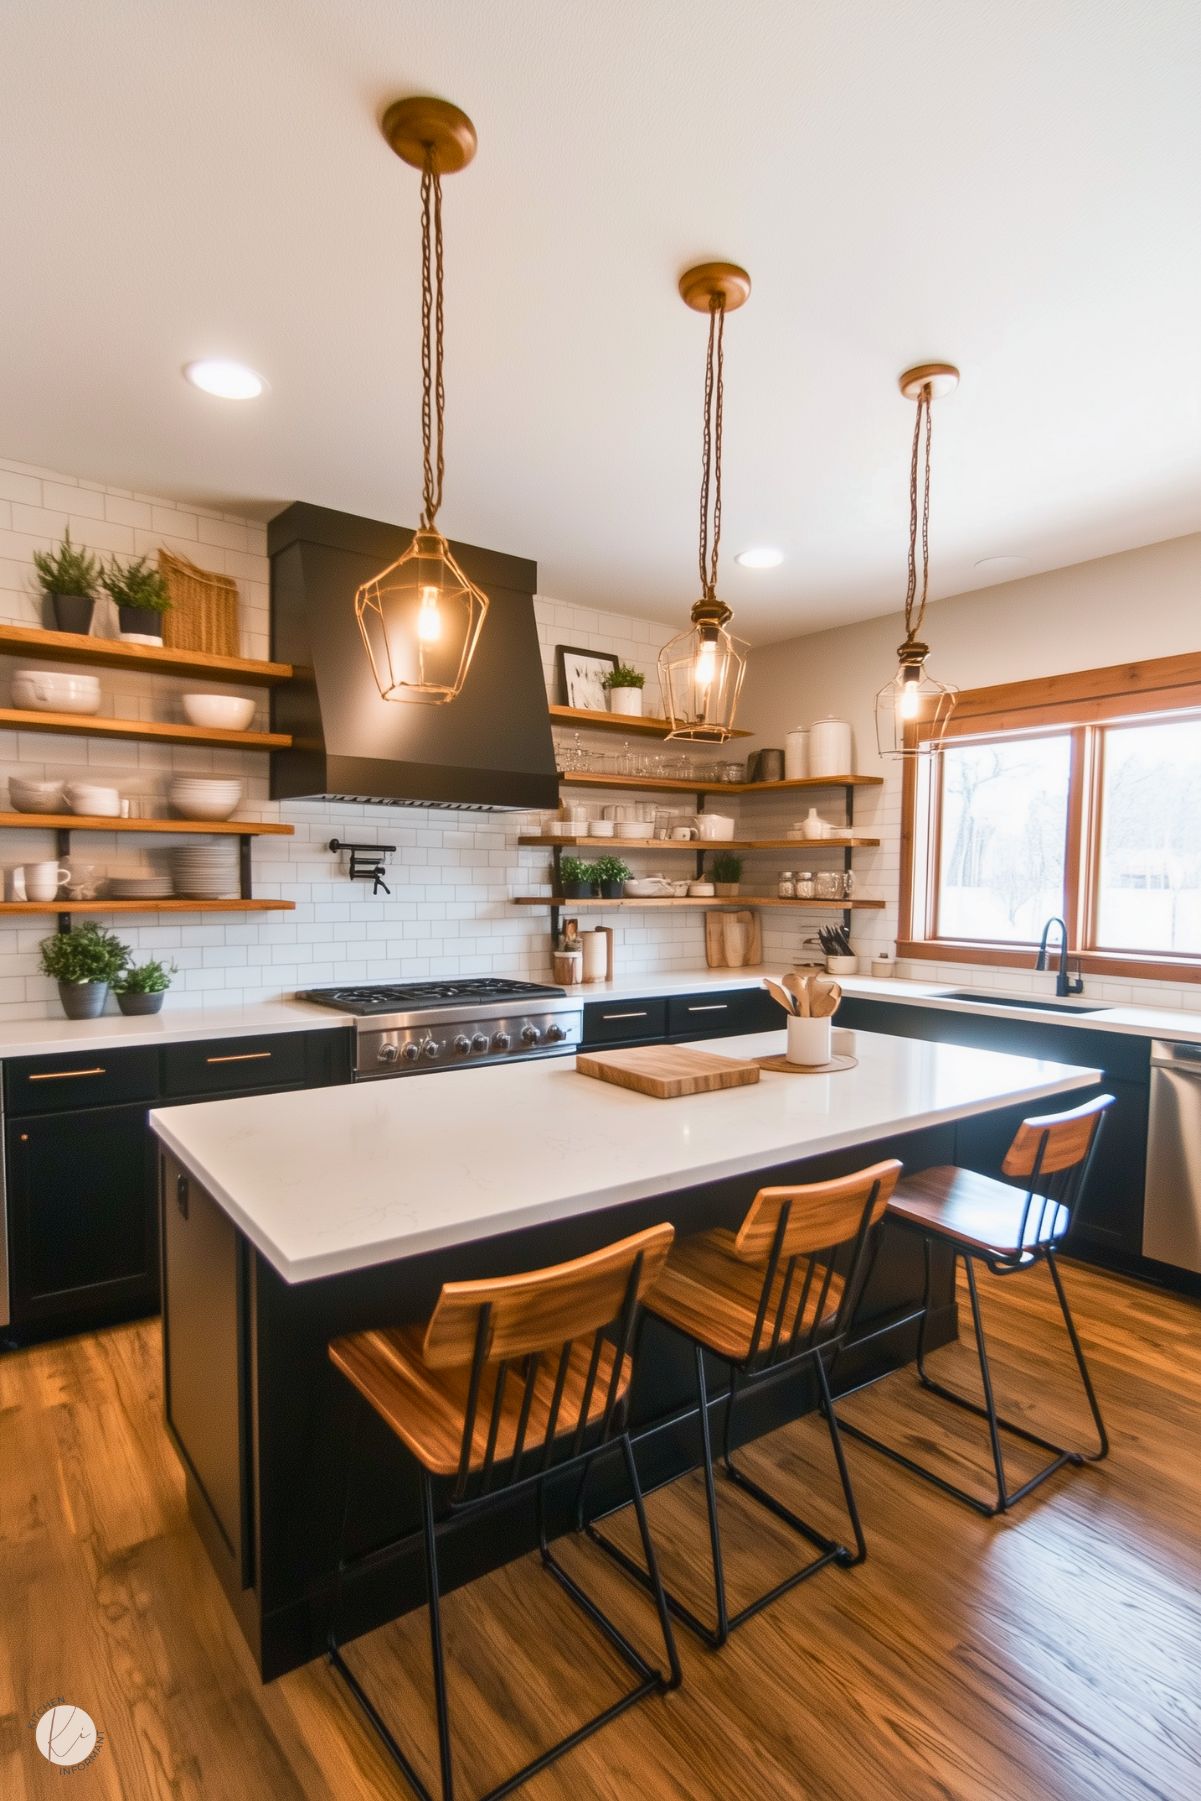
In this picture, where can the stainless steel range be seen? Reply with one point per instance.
(411, 1028)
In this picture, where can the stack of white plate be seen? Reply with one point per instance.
(205, 871)
(150, 887)
(204, 797)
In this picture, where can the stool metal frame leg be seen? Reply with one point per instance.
(1004, 1497)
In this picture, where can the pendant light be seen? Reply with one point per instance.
(701, 670)
(914, 697)
(421, 617)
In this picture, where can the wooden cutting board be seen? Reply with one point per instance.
(733, 939)
(667, 1071)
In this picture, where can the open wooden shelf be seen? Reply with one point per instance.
(101, 822)
(617, 722)
(649, 784)
(155, 731)
(695, 900)
(619, 846)
(110, 653)
(148, 906)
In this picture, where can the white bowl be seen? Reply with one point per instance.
(699, 889)
(206, 809)
(35, 797)
(653, 887)
(51, 691)
(198, 799)
(218, 712)
(634, 828)
(82, 798)
(598, 828)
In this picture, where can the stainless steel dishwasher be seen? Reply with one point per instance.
(1172, 1208)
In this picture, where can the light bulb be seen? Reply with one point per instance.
(909, 703)
(706, 663)
(429, 619)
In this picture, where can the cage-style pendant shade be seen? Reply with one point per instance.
(912, 711)
(700, 676)
(421, 620)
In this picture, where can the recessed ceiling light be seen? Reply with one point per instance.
(762, 558)
(229, 381)
(1003, 566)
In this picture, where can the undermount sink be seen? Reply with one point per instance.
(1018, 1000)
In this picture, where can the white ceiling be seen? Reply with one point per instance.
(1014, 185)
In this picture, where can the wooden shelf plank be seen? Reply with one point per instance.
(89, 822)
(158, 731)
(690, 846)
(646, 784)
(616, 722)
(110, 653)
(698, 900)
(148, 906)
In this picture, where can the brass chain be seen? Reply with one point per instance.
(711, 451)
(924, 413)
(433, 393)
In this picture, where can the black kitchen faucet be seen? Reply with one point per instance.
(1064, 983)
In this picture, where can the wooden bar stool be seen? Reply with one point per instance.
(511, 1381)
(1007, 1229)
(772, 1299)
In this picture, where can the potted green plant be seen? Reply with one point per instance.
(624, 688)
(140, 596)
(612, 874)
(578, 879)
(69, 578)
(726, 873)
(140, 988)
(84, 964)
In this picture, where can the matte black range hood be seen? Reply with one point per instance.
(488, 750)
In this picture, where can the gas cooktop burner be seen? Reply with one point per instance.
(384, 998)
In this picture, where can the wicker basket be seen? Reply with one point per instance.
(203, 614)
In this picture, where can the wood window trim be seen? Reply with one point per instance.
(1072, 701)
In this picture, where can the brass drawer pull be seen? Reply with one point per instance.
(241, 1057)
(712, 1007)
(606, 1016)
(65, 1075)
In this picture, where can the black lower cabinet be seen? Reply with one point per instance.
(83, 1241)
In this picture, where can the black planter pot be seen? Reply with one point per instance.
(578, 891)
(140, 1003)
(613, 890)
(71, 613)
(140, 625)
(83, 1000)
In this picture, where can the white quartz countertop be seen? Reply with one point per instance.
(338, 1179)
(45, 1037)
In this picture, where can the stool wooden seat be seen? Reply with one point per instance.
(1008, 1229)
(511, 1380)
(772, 1298)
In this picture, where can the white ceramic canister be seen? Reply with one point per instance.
(809, 1040)
(796, 754)
(831, 749)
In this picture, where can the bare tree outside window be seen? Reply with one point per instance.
(1003, 831)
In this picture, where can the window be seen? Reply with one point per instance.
(1079, 795)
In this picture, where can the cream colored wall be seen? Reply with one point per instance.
(1138, 604)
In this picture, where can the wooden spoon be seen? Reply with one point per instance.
(826, 1000)
(780, 994)
(796, 986)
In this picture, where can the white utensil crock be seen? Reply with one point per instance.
(809, 1040)
(796, 754)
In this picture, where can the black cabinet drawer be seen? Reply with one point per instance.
(61, 1083)
(728, 1011)
(618, 1022)
(234, 1065)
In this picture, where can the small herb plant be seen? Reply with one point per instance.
(623, 677)
(145, 978)
(136, 585)
(726, 868)
(610, 869)
(574, 872)
(89, 955)
(68, 570)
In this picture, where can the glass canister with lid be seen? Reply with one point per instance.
(806, 887)
(786, 885)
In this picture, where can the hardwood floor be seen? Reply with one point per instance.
(1054, 1654)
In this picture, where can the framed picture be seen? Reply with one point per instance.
(581, 673)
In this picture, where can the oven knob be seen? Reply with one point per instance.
(388, 1053)
(430, 1048)
(480, 1042)
(462, 1045)
(530, 1034)
(555, 1034)
(409, 1052)
(501, 1041)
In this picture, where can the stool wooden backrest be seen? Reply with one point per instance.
(491, 1325)
(1053, 1152)
(810, 1225)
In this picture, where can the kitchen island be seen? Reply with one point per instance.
(291, 1218)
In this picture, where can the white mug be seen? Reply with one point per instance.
(42, 881)
(683, 831)
(809, 1040)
